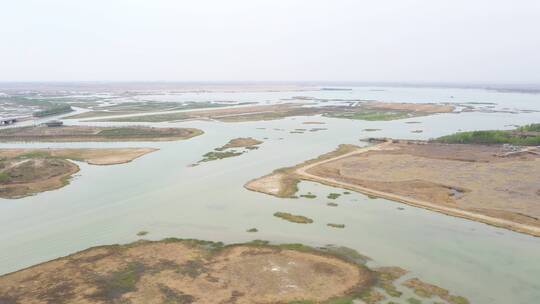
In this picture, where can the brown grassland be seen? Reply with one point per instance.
(484, 183)
(192, 271)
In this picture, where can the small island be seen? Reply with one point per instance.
(229, 149)
(293, 218)
(193, 271)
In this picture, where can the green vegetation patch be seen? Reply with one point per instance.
(524, 136)
(343, 300)
(372, 296)
(426, 290)
(192, 268)
(209, 246)
(225, 151)
(120, 282)
(457, 300)
(175, 297)
(386, 278)
(299, 219)
(54, 110)
(138, 131)
(142, 233)
(4, 177)
(252, 230)
(259, 243)
(333, 195)
(335, 225)
(214, 155)
(346, 253)
(530, 128)
(389, 288)
(35, 154)
(309, 195)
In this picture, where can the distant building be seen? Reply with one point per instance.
(54, 123)
(8, 121)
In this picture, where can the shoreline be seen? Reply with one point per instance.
(28, 171)
(300, 172)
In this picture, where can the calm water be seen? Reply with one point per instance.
(159, 193)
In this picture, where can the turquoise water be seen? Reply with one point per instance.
(159, 193)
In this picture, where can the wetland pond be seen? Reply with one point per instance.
(161, 194)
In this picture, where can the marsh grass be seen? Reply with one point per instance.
(336, 225)
(113, 286)
(535, 127)
(214, 155)
(192, 268)
(333, 195)
(175, 297)
(4, 177)
(308, 195)
(299, 219)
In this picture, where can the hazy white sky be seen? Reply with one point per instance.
(236, 40)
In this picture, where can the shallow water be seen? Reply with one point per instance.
(159, 193)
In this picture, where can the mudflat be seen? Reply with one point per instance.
(91, 133)
(25, 172)
(494, 184)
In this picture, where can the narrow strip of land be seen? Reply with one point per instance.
(62, 133)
